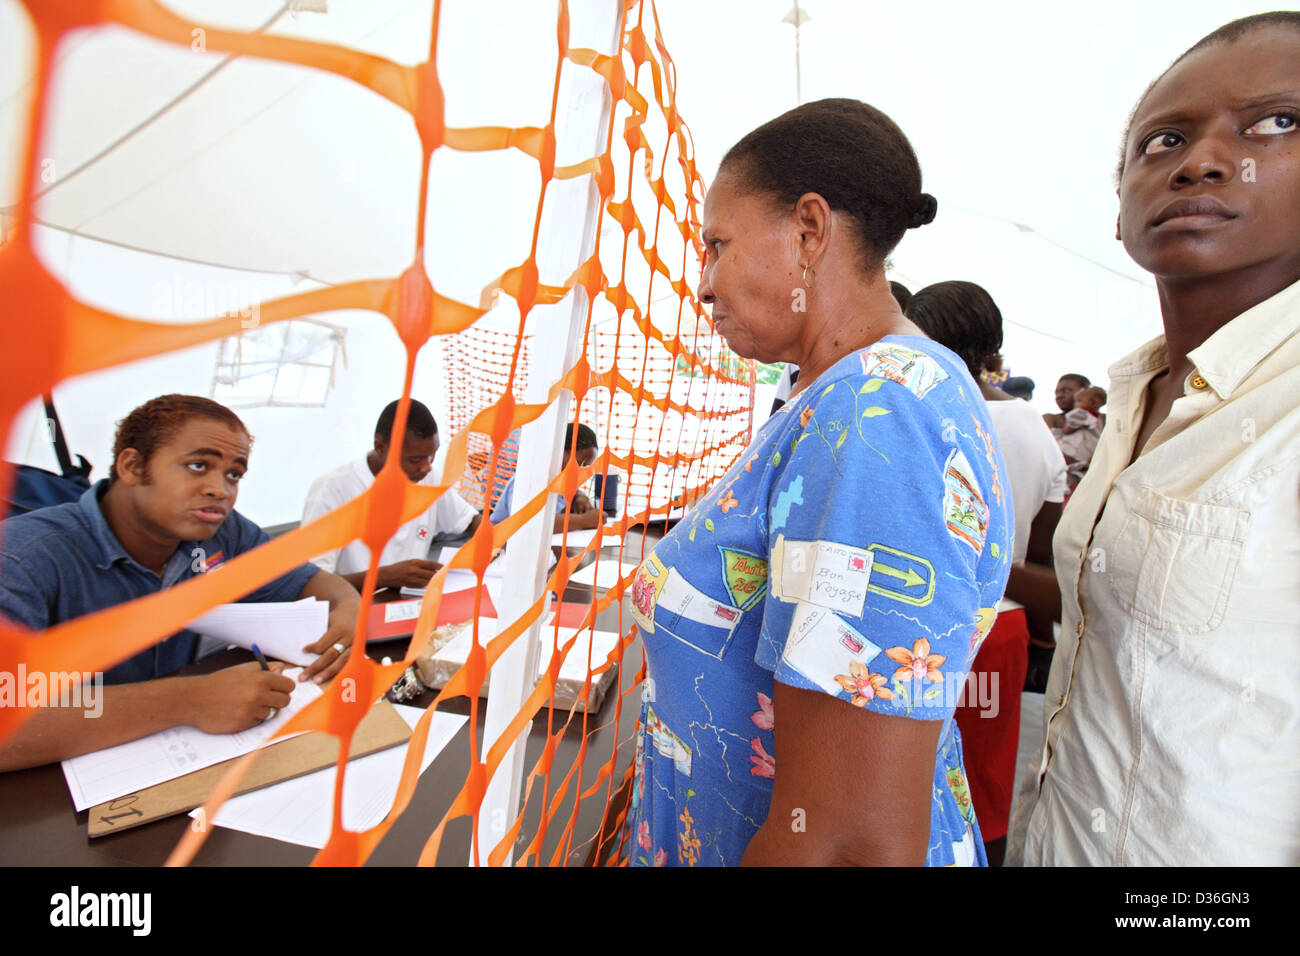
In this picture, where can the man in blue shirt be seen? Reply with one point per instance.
(582, 515)
(163, 516)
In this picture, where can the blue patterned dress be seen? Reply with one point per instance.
(858, 547)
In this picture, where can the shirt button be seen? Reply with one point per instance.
(1078, 629)
(1197, 382)
(1061, 700)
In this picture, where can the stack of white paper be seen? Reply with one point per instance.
(280, 629)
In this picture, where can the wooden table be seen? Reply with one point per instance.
(39, 827)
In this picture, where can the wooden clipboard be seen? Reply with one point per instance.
(381, 728)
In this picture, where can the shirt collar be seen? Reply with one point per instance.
(108, 549)
(1230, 354)
(362, 468)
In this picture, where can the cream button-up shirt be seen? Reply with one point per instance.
(1173, 706)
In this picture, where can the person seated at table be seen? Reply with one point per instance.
(582, 514)
(164, 515)
(405, 559)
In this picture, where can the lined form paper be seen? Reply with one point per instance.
(115, 771)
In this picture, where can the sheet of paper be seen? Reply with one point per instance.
(301, 810)
(580, 539)
(493, 570)
(597, 644)
(401, 611)
(280, 629)
(608, 575)
(116, 771)
(458, 579)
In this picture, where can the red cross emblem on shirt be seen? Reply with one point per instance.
(422, 533)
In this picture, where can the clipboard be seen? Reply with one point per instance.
(381, 728)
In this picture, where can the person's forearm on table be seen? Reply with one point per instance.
(225, 701)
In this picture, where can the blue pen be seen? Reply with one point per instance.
(260, 659)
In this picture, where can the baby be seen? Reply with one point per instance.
(1082, 429)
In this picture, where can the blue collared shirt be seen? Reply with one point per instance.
(59, 563)
(503, 510)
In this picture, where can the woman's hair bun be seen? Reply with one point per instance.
(924, 213)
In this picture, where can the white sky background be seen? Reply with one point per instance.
(1014, 109)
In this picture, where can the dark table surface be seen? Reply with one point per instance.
(39, 827)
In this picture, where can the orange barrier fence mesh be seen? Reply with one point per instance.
(477, 369)
(671, 406)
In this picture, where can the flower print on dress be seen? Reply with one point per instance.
(661, 857)
(643, 594)
(863, 685)
(764, 719)
(764, 762)
(643, 835)
(688, 844)
(918, 664)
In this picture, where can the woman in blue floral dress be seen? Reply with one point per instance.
(809, 626)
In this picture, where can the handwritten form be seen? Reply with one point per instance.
(115, 771)
(280, 629)
(301, 810)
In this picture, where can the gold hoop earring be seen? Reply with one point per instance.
(807, 281)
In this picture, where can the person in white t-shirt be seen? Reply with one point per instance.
(963, 317)
(404, 562)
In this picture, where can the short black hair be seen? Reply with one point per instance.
(419, 422)
(586, 438)
(1224, 34)
(158, 420)
(1020, 386)
(852, 155)
(1083, 380)
(961, 316)
(902, 294)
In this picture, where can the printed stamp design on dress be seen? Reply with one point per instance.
(647, 584)
(914, 370)
(685, 612)
(822, 646)
(745, 576)
(825, 573)
(964, 509)
(668, 743)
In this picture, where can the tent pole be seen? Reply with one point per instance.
(556, 347)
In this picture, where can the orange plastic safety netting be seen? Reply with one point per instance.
(671, 406)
